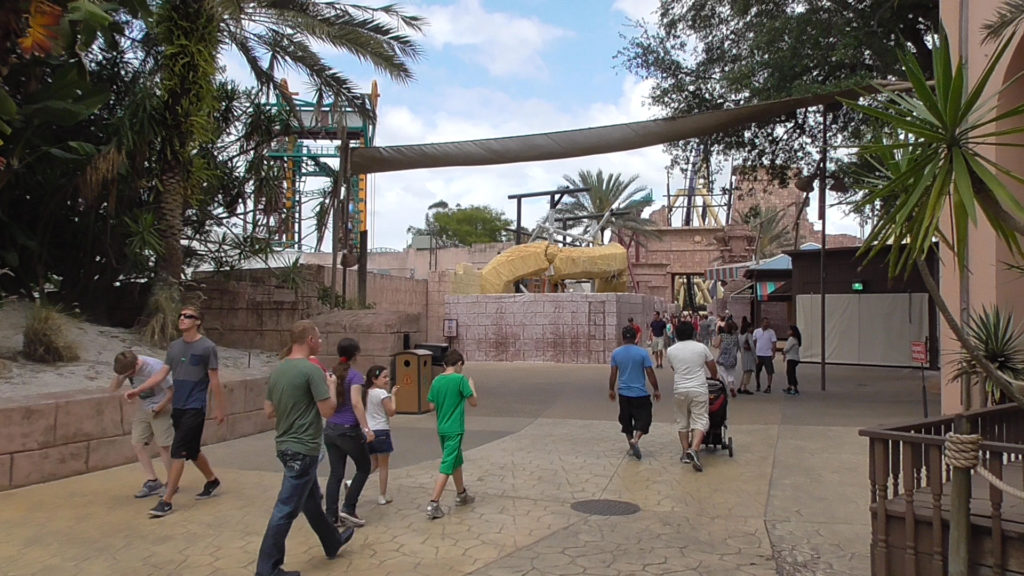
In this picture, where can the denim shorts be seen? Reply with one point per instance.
(381, 442)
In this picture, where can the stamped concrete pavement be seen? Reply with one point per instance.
(793, 500)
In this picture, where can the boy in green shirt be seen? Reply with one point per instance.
(448, 395)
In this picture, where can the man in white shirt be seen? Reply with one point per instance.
(764, 349)
(691, 362)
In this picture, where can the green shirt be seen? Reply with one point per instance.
(295, 386)
(448, 393)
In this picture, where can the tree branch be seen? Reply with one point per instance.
(1001, 381)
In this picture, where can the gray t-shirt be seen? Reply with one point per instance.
(154, 396)
(190, 364)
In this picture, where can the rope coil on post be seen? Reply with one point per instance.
(962, 452)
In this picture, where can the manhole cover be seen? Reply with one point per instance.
(605, 507)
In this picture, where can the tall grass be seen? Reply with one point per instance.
(46, 337)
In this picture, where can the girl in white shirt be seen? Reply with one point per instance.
(792, 352)
(380, 407)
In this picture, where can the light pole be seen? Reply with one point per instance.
(806, 185)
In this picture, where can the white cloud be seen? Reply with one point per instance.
(402, 197)
(636, 9)
(504, 44)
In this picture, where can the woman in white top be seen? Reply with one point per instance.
(380, 407)
(792, 353)
(748, 361)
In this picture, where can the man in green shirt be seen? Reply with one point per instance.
(448, 395)
(299, 394)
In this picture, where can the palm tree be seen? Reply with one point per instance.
(934, 161)
(269, 35)
(612, 202)
(770, 233)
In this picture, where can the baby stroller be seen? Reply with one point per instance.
(718, 405)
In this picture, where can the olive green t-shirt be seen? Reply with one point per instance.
(448, 393)
(295, 386)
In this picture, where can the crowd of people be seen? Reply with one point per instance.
(340, 410)
(686, 340)
(346, 413)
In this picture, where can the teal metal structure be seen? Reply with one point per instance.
(303, 155)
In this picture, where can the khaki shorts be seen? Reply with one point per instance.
(691, 410)
(147, 427)
(657, 343)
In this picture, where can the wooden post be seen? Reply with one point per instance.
(960, 510)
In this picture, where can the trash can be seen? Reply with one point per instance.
(438, 351)
(412, 372)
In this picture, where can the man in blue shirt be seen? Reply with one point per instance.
(631, 368)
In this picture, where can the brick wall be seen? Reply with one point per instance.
(565, 328)
(51, 436)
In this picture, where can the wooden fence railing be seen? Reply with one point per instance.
(909, 477)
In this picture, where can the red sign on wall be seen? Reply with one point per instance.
(918, 352)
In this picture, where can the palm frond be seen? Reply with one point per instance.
(1006, 22)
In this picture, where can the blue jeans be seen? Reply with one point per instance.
(300, 492)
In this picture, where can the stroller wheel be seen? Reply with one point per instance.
(730, 446)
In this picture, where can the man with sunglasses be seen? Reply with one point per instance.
(192, 363)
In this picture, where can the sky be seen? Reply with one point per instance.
(494, 68)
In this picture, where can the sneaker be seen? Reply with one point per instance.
(162, 508)
(345, 535)
(464, 498)
(384, 499)
(634, 449)
(208, 489)
(150, 488)
(685, 458)
(434, 511)
(695, 460)
(351, 519)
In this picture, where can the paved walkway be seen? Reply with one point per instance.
(793, 500)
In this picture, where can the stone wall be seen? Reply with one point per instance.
(51, 436)
(686, 251)
(564, 328)
(254, 309)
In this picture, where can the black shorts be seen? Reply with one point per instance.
(766, 361)
(635, 414)
(188, 432)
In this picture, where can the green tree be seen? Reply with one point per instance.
(620, 198)
(706, 54)
(931, 167)
(463, 226)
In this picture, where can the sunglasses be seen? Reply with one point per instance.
(189, 316)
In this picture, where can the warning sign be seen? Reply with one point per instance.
(918, 352)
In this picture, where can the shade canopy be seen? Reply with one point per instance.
(589, 141)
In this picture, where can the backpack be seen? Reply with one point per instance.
(730, 346)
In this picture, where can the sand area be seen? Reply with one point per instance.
(97, 346)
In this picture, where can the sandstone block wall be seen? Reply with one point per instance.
(254, 309)
(564, 328)
(51, 436)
